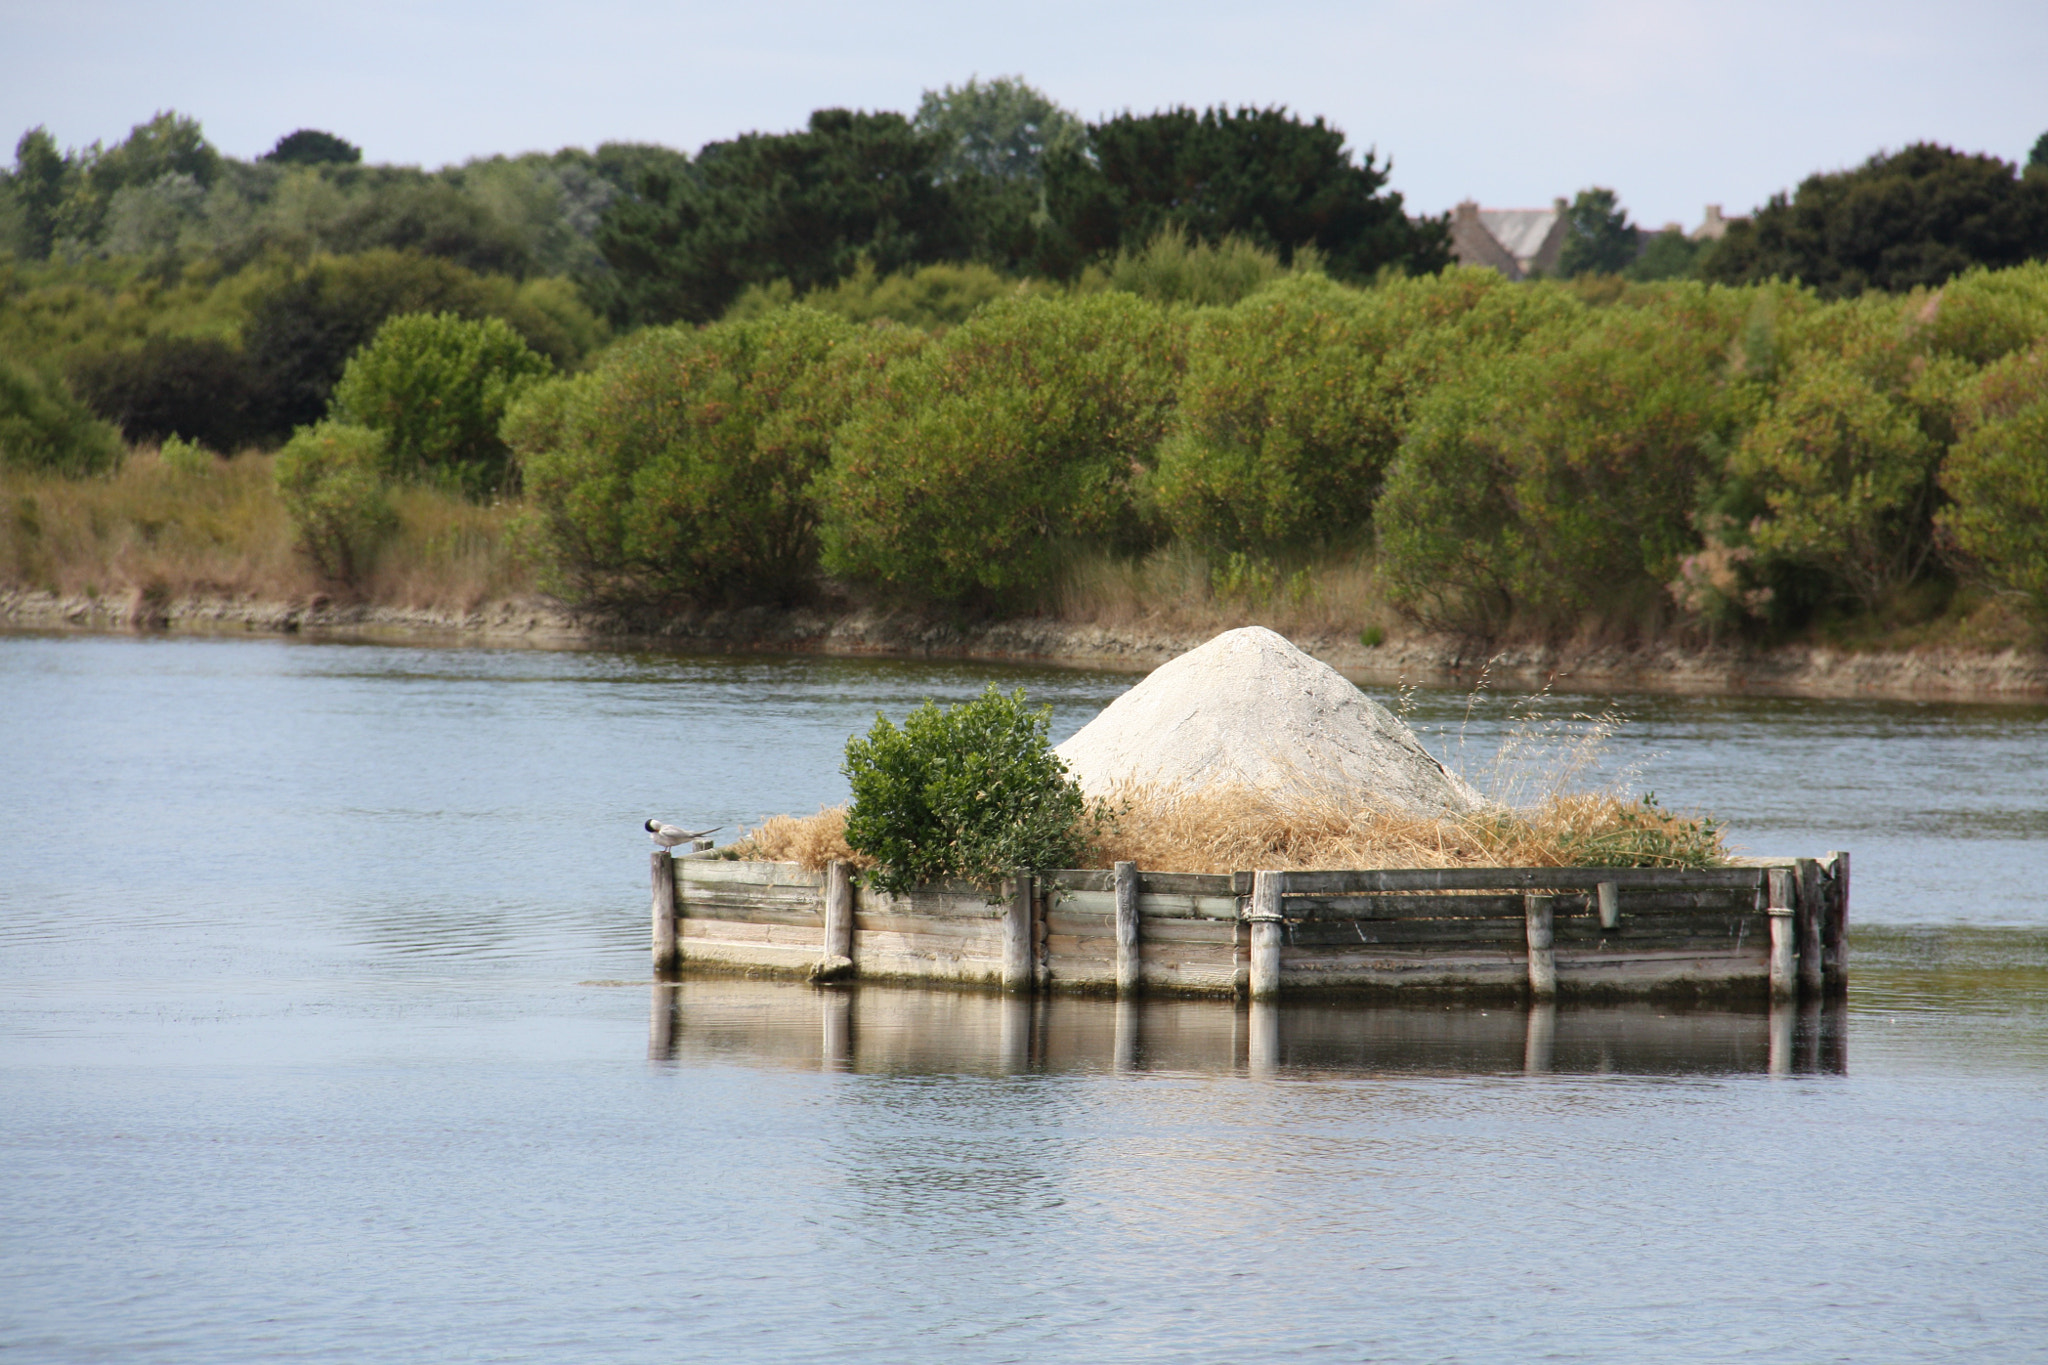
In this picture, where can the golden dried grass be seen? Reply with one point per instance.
(1235, 828)
(177, 527)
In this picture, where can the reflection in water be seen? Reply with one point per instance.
(908, 1030)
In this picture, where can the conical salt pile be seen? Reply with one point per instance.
(1250, 708)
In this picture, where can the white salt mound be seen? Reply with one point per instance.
(1250, 708)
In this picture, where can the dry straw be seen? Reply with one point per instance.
(1537, 815)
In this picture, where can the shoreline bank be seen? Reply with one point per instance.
(1792, 670)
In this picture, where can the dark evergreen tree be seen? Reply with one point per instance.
(1913, 217)
(1262, 175)
(1600, 240)
(311, 147)
(804, 207)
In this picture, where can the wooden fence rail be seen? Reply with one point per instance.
(1537, 932)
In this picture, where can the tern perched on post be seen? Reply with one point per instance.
(668, 836)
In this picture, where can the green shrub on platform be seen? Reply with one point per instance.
(980, 458)
(680, 469)
(43, 427)
(328, 477)
(436, 386)
(972, 791)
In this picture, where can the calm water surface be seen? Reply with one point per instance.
(325, 1035)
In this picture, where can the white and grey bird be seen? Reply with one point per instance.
(668, 836)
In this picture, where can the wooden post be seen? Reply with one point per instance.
(838, 910)
(667, 956)
(1610, 905)
(1542, 946)
(1017, 918)
(1267, 927)
(1129, 967)
(1784, 982)
(1807, 920)
(1835, 931)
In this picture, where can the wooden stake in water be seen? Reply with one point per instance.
(838, 910)
(666, 956)
(1536, 917)
(1784, 982)
(1835, 933)
(1129, 969)
(1267, 929)
(1017, 934)
(1811, 911)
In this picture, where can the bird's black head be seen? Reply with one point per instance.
(651, 823)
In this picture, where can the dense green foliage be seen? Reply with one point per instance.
(980, 457)
(1918, 216)
(436, 387)
(43, 427)
(680, 468)
(329, 478)
(1998, 477)
(1600, 240)
(972, 791)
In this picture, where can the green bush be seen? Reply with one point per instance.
(437, 386)
(1296, 399)
(981, 457)
(1997, 475)
(1174, 269)
(328, 479)
(681, 467)
(196, 387)
(973, 791)
(1562, 479)
(43, 427)
(931, 297)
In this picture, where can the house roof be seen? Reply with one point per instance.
(1521, 231)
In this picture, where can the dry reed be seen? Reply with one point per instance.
(1179, 589)
(176, 527)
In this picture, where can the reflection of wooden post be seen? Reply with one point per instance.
(1017, 934)
(1784, 1014)
(1807, 920)
(1542, 946)
(1783, 981)
(1539, 1040)
(838, 910)
(1835, 932)
(1267, 927)
(1129, 970)
(661, 1022)
(1262, 1057)
(1013, 1041)
(666, 955)
(1124, 1056)
(836, 1031)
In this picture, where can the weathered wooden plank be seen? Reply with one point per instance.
(1519, 879)
(1067, 879)
(1017, 934)
(750, 914)
(693, 931)
(1835, 928)
(1190, 931)
(970, 905)
(938, 926)
(838, 910)
(1341, 933)
(1184, 884)
(1062, 921)
(700, 871)
(1395, 907)
(1542, 948)
(774, 957)
(1154, 906)
(1582, 929)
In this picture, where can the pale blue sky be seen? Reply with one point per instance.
(1673, 105)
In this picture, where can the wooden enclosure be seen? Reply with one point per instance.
(1774, 930)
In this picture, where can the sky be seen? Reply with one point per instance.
(1672, 105)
